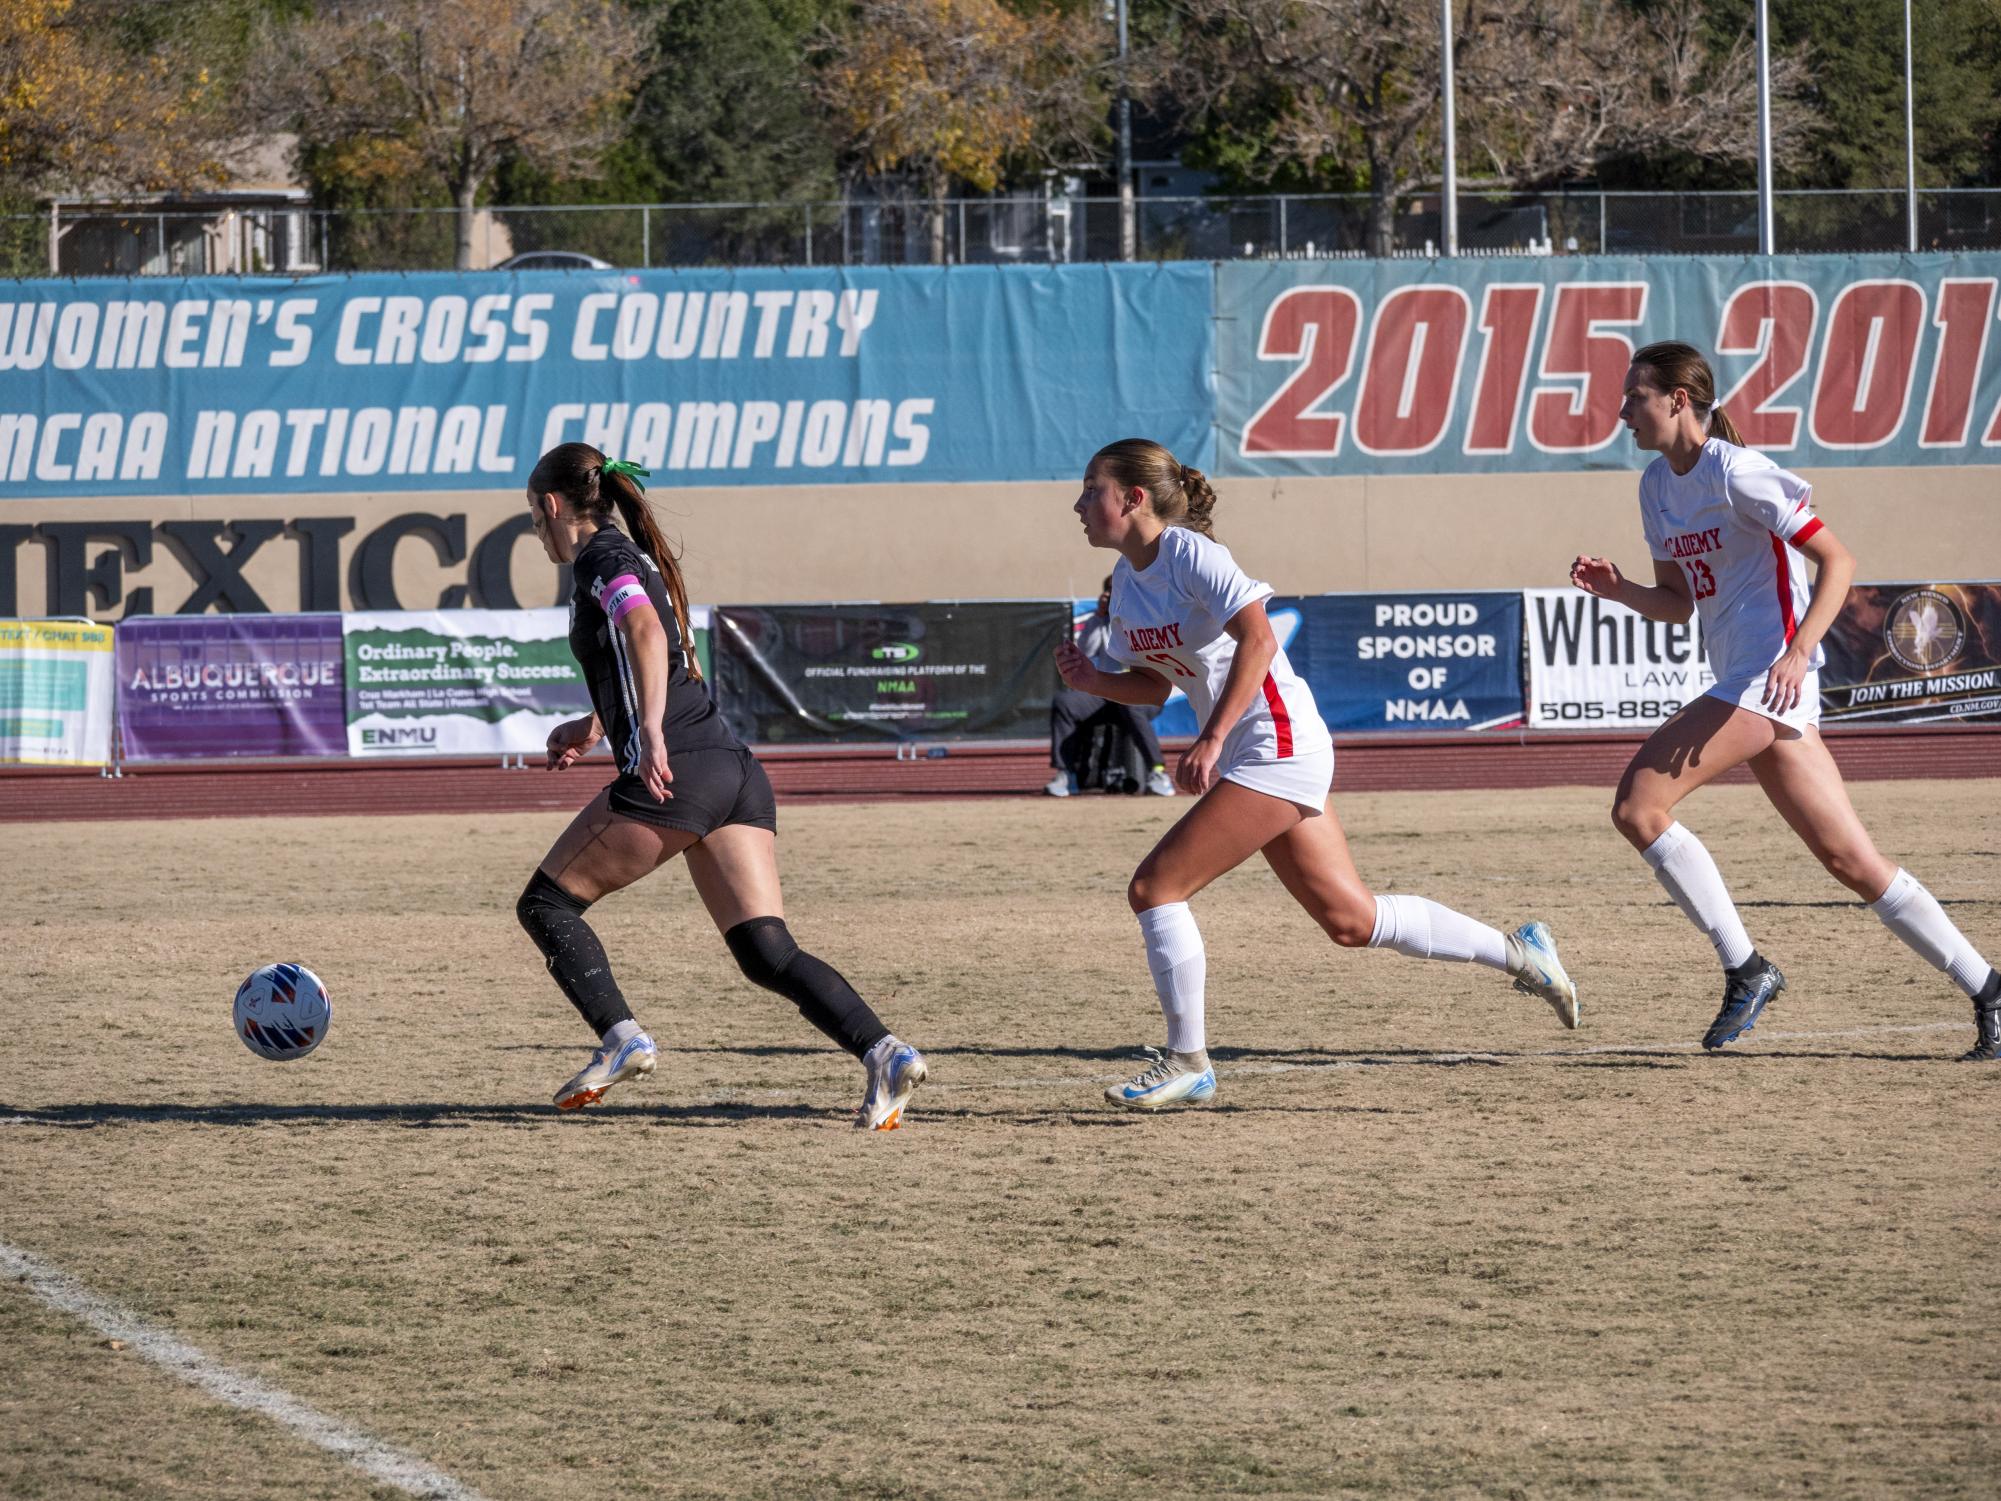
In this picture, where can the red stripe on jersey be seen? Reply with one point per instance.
(1280, 720)
(1806, 531)
(1784, 579)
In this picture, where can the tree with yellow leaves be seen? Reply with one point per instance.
(79, 115)
(962, 89)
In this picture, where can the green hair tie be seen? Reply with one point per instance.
(630, 470)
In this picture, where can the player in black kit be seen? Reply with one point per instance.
(686, 786)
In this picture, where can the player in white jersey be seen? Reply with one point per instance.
(1183, 614)
(1731, 533)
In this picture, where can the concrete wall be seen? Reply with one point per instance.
(984, 541)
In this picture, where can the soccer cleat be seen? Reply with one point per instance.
(895, 1069)
(1746, 994)
(1164, 1081)
(1987, 1017)
(1063, 784)
(608, 1066)
(1538, 972)
(1158, 783)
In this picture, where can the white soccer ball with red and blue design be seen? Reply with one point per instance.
(282, 1012)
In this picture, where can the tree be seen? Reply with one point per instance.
(449, 92)
(1545, 89)
(945, 89)
(78, 113)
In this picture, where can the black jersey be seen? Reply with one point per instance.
(613, 575)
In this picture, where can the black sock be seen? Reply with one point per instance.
(555, 920)
(1748, 968)
(767, 955)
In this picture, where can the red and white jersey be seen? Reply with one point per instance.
(1733, 524)
(1169, 618)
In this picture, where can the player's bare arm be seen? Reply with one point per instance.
(1256, 647)
(1834, 571)
(1137, 685)
(1669, 599)
(646, 638)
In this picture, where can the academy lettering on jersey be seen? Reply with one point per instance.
(1154, 637)
(1694, 544)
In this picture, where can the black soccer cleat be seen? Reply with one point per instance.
(1987, 1017)
(1747, 991)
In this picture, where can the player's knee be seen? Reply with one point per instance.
(763, 949)
(1861, 871)
(1147, 890)
(1350, 920)
(543, 905)
(1641, 823)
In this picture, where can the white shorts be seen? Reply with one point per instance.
(1302, 780)
(1747, 693)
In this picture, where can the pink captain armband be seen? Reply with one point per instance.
(622, 596)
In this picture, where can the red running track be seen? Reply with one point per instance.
(1418, 763)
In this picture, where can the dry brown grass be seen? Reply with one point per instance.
(1551, 1265)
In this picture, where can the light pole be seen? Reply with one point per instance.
(1764, 132)
(1128, 217)
(1449, 190)
(1910, 145)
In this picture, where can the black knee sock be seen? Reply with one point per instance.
(766, 953)
(555, 920)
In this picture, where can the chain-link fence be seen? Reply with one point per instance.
(972, 231)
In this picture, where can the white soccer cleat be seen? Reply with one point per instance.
(1063, 784)
(1158, 783)
(608, 1066)
(895, 1069)
(1165, 1081)
(1538, 972)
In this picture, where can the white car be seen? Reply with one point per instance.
(553, 260)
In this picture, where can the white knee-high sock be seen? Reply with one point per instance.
(1683, 866)
(1180, 965)
(1421, 928)
(1914, 915)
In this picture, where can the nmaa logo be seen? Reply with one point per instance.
(410, 735)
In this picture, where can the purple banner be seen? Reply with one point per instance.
(231, 685)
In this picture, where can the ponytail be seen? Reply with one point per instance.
(639, 523)
(1720, 426)
(1201, 498)
(595, 485)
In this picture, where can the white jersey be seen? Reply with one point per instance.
(1733, 524)
(1168, 619)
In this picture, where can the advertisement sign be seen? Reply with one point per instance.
(459, 682)
(55, 693)
(1595, 665)
(943, 670)
(231, 685)
(1916, 653)
(455, 381)
(1410, 661)
(1517, 365)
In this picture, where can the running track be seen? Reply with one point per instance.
(1363, 764)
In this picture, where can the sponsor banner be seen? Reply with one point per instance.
(1470, 366)
(1595, 665)
(1916, 653)
(1409, 661)
(55, 693)
(460, 682)
(937, 671)
(456, 381)
(231, 685)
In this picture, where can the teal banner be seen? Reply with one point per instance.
(1517, 365)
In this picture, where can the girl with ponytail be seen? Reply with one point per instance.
(1184, 615)
(685, 786)
(1731, 535)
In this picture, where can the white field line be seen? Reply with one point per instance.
(184, 1362)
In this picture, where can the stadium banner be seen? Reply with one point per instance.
(1432, 661)
(944, 670)
(458, 682)
(458, 381)
(1596, 665)
(1517, 365)
(1914, 653)
(192, 686)
(56, 693)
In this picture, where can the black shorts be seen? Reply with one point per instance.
(711, 788)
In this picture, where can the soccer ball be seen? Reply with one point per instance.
(282, 1012)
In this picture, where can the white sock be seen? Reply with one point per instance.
(1419, 927)
(1180, 965)
(620, 1034)
(1683, 866)
(1914, 915)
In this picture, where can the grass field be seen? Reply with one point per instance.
(1424, 1243)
